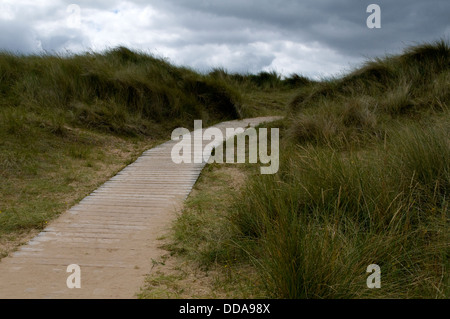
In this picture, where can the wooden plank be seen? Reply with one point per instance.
(112, 233)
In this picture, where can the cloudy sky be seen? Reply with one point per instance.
(316, 38)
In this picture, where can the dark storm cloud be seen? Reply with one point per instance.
(311, 37)
(403, 23)
(340, 25)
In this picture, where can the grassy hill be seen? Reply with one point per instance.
(70, 122)
(116, 91)
(364, 170)
(364, 179)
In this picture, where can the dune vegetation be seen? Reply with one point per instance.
(364, 179)
(69, 122)
(364, 165)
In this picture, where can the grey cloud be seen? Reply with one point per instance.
(202, 33)
(340, 25)
(17, 37)
(97, 4)
(65, 39)
(234, 58)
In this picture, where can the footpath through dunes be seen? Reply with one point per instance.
(112, 234)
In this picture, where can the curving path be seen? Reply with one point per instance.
(111, 234)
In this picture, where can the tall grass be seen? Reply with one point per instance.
(364, 179)
(118, 90)
(262, 80)
(326, 217)
(264, 93)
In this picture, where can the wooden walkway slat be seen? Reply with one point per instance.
(111, 234)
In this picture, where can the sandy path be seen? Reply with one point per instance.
(111, 234)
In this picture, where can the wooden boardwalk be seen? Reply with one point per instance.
(111, 234)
